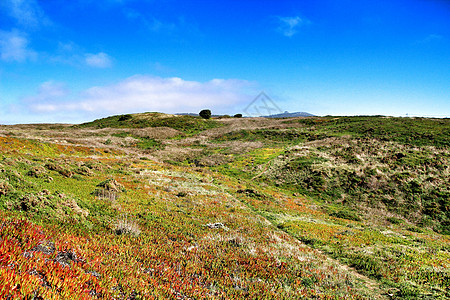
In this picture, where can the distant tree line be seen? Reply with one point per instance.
(206, 114)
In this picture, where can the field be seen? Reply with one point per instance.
(154, 206)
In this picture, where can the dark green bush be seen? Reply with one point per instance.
(205, 114)
(345, 214)
(125, 118)
(394, 220)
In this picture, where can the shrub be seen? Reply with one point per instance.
(205, 114)
(147, 143)
(37, 172)
(415, 229)
(124, 225)
(106, 194)
(224, 117)
(125, 118)
(394, 220)
(345, 214)
(237, 116)
(369, 265)
(111, 185)
(4, 188)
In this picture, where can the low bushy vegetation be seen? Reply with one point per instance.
(205, 114)
(412, 131)
(267, 135)
(185, 124)
(412, 184)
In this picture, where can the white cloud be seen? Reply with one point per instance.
(288, 26)
(144, 93)
(70, 53)
(49, 92)
(26, 12)
(100, 60)
(14, 47)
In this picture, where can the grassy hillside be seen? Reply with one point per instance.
(154, 206)
(185, 124)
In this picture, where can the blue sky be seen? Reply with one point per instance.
(74, 61)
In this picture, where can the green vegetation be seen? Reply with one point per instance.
(286, 136)
(205, 114)
(411, 131)
(143, 142)
(185, 124)
(360, 173)
(303, 208)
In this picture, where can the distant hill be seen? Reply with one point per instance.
(187, 114)
(196, 115)
(287, 114)
(184, 123)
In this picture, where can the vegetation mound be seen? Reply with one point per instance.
(183, 123)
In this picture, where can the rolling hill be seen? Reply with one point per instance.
(156, 206)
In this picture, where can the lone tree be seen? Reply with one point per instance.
(205, 114)
(237, 116)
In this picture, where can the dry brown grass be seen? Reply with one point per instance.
(179, 150)
(66, 135)
(126, 225)
(236, 124)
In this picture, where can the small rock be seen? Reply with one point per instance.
(215, 225)
(45, 192)
(95, 274)
(44, 247)
(4, 188)
(64, 258)
(149, 270)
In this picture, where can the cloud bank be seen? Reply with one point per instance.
(140, 94)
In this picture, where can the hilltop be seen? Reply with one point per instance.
(287, 114)
(156, 206)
